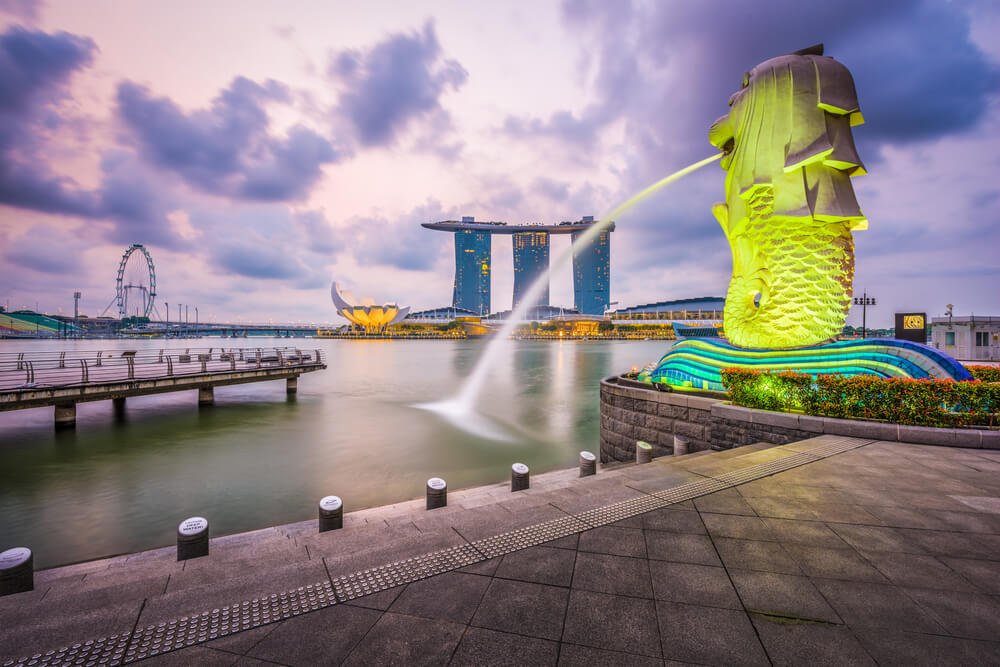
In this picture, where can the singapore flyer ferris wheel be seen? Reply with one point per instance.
(135, 286)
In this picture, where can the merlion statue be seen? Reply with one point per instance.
(790, 206)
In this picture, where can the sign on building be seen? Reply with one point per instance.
(912, 327)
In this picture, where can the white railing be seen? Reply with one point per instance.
(27, 370)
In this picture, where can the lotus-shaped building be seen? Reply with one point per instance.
(372, 318)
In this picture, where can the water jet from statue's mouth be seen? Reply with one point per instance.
(461, 410)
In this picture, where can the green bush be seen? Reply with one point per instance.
(985, 373)
(929, 402)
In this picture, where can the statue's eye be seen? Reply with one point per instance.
(746, 79)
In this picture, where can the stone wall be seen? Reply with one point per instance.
(632, 411)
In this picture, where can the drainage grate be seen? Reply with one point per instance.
(191, 630)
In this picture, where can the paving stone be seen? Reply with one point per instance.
(34, 632)
(326, 636)
(381, 600)
(617, 541)
(673, 521)
(485, 568)
(573, 655)
(755, 555)
(876, 538)
(985, 574)
(404, 640)
(968, 522)
(919, 570)
(905, 517)
(612, 622)
(742, 527)
(681, 548)
(810, 533)
(724, 502)
(708, 635)
(958, 545)
(452, 596)
(617, 575)
(796, 643)
(488, 648)
(542, 565)
(693, 584)
(868, 605)
(963, 614)
(523, 608)
(909, 649)
(834, 563)
(241, 642)
(193, 655)
(567, 542)
(782, 595)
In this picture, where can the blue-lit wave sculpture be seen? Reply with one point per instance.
(698, 363)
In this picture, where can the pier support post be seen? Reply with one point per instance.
(17, 571)
(292, 385)
(65, 415)
(437, 493)
(588, 464)
(118, 407)
(206, 395)
(519, 480)
(643, 452)
(331, 513)
(192, 538)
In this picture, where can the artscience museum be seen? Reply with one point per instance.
(373, 318)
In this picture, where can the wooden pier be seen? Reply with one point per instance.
(63, 379)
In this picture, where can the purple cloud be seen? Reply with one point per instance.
(393, 84)
(227, 150)
(34, 70)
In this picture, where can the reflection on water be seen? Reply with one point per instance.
(257, 458)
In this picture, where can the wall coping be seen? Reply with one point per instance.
(856, 428)
(631, 389)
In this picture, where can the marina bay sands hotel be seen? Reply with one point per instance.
(473, 250)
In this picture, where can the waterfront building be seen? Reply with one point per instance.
(967, 338)
(471, 289)
(592, 273)
(697, 308)
(531, 261)
(366, 314)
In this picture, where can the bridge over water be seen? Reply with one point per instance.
(63, 379)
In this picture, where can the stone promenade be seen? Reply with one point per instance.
(827, 551)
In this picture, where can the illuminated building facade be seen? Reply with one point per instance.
(592, 273)
(531, 260)
(471, 290)
(473, 251)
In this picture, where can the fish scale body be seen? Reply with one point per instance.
(802, 270)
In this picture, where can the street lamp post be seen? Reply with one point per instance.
(864, 301)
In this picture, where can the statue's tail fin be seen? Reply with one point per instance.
(814, 50)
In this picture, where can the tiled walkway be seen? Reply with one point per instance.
(885, 554)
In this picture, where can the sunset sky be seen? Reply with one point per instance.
(262, 149)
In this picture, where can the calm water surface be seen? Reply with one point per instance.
(256, 458)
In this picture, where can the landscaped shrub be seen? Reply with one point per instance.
(985, 373)
(929, 402)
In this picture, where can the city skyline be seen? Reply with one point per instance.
(259, 152)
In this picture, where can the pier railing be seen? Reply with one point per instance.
(30, 370)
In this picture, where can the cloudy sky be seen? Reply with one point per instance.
(261, 149)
